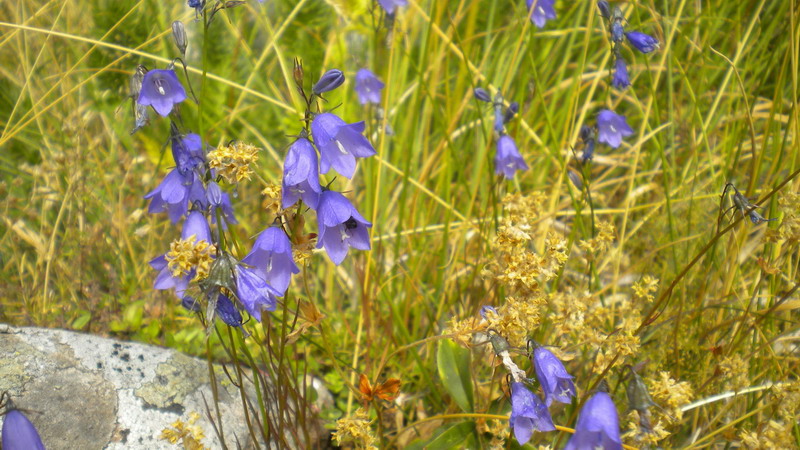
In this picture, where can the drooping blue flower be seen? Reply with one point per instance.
(642, 41)
(482, 95)
(175, 193)
(620, 79)
(541, 11)
(271, 257)
(391, 5)
(227, 311)
(300, 175)
(368, 87)
(19, 433)
(507, 160)
(218, 199)
(329, 81)
(612, 127)
(254, 292)
(340, 226)
(598, 425)
(556, 382)
(339, 143)
(528, 414)
(161, 90)
(587, 135)
(190, 303)
(187, 152)
(195, 225)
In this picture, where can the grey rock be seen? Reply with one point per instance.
(87, 392)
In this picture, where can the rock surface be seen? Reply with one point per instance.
(88, 392)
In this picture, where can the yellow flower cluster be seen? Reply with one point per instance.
(232, 162)
(600, 243)
(356, 429)
(670, 395)
(272, 198)
(462, 330)
(189, 434)
(771, 435)
(187, 254)
(790, 226)
(735, 371)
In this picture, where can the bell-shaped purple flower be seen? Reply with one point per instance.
(19, 433)
(271, 257)
(391, 5)
(541, 11)
(254, 292)
(368, 87)
(556, 382)
(528, 413)
(175, 193)
(161, 90)
(300, 175)
(642, 41)
(340, 226)
(620, 79)
(598, 425)
(195, 225)
(187, 151)
(329, 81)
(339, 143)
(611, 128)
(507, 160)
(217, 198)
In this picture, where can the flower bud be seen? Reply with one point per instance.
(605, 10)
(298, 71)
(214, 194)
(482, 95)
(135, 84)
(179, 33)
(329, 81)
(511, 111)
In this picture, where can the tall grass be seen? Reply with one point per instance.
(716, 104)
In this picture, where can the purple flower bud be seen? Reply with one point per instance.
(507, 160)
(368, 87)
(214, 194)
(511, 111)
(617, 31)
(598, 425)
(179, 33)
(391, 5)
(300, 175)
(586, 133)
(339, 143)
(227, 311)
(254, 292)
(541, 11)
(605, 10)
(482, 95)
(190, 304)
(611, 128)
(556, 382)
(187, 151)
(271, 257)
(620, 79)
(329, 81)
(641, 41)
(528, 413)
(161, 90)
(588, 150)
(19, 433)
(340, 226)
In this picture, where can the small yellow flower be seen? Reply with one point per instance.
(187, 254)
(356, 429)
(188, 433)
(233, 162)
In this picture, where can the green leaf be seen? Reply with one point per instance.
(81, 321)
(461, 436)
(453, 362)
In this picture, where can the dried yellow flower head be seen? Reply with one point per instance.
(187, 254)
(189, 434)
(645, 288)
(272, 198)
(601, 242)
(516, 318)
(233, 162)
(463, 330)
(790, 225)
(670, 394)
(356, 429)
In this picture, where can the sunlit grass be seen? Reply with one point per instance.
(715, 104)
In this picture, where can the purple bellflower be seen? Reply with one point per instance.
(528, 413)
(541, 11)
(187, 151)
(19, 433)
(620, 79)
(195, 225)
(254, 292)
(340, 226)
(368, 87)
(507, 160)
(175, 193)
(227, 311)
(339, 143)
(482, 95)
(161, 90)
(556, 382)
(329, 81)
(391, 5)
(219, 199)
(641, 41)
(611, 128)
(598, 425)
(271, 257)
(301, 175)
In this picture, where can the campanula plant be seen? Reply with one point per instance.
(556, 383)
(612, 128)
(598, 425)
(528, 413)
(368, 87)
